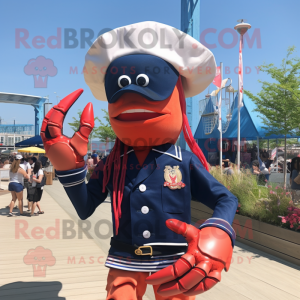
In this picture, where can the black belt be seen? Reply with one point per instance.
(146, 250)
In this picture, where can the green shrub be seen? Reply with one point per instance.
(264, 203)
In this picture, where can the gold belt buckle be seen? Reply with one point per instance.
(140, 252)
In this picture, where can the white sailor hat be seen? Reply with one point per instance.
(147, 58)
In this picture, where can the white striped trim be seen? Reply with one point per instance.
(141, 267)
(130, 269)
(166, 244)
(218, 225)
(179, 150)
(127, 152)
(179, 254)
(140, 263)
(177, 157)
(221, 220)
(73, 183)
(127, 265)
(72, 173)
(69, 183)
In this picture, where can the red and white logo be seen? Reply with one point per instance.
(173, 178)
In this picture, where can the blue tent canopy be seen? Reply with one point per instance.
(251, 123)
(251, 127)
(34, 141)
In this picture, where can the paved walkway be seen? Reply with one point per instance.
(79, 273)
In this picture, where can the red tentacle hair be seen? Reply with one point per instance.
(119, 172)
(188, 136)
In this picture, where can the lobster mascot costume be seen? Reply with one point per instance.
(145, 71)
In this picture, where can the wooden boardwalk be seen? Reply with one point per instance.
(79, 271)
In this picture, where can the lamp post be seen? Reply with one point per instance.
(57, 97)
(220, 116)
(241, 28)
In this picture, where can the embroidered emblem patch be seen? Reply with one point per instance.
(173, 178)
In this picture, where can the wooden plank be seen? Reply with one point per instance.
(63, 280)
(270, 251)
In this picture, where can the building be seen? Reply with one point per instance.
(14, 133)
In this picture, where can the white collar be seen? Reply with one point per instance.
(174, 151)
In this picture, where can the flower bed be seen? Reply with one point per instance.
(280, 242)
(271, 204)
(266, 218)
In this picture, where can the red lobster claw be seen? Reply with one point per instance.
(67, 153)
(200, 268)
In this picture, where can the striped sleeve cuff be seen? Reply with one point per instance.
(72, 177)
(222, 224)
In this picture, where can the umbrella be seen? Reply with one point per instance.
(33, 141)
(32, 150)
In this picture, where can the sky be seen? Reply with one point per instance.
(273, 24)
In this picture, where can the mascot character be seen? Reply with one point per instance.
(145, 71)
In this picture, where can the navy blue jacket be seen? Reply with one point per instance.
(149, 199)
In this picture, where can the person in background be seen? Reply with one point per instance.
(266, 154)
(45, 161)
(96, 159)
(268, 164)
(260, 177)
(25, 163)
(228, 170)
(295, 169)
(27, 167)
(90, 167)
(255, 167)
(37, 177)
(32, 161)
(262, 167)
(6, 164)
(16, 184)
(1, 164)
(218, 164)
(288, 165)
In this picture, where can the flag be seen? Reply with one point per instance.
(214, 93)
(273, 154)
(217, 79)
(241, 86)
(222, 85)
(224, 81)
